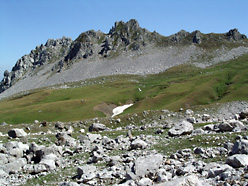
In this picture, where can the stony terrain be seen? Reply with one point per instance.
(126, 49)
(207, 146)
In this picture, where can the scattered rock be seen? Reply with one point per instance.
(237, 160)
(189, 112)
(97, 127)
(147, 166)
(17, 133)
(240, 147)
(135, 164)
(66, 140)
(86, 172)
(231, 126)
(145, 182)
(191, 180)
(206, 117)
(138, 144)
(199, 150)
(182, 128)
(69, 184)
(59, 125)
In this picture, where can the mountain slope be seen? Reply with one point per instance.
(126, 49)
(180, 86)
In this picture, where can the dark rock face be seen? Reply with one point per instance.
(106, 47)
(75, 48)
(235, 35)
(197, 38)
(82, 47)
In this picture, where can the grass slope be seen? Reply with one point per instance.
(180, 86)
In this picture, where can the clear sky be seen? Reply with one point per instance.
(24, 24)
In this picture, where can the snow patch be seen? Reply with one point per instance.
(120, 109)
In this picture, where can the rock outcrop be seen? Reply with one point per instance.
(41, 55)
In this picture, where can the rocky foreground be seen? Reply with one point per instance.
(201, 147)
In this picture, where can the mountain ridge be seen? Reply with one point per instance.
(126, 49)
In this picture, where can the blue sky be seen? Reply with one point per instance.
(24, 24)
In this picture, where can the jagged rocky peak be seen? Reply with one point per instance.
(235, 35)
(64, 41)
(42, 54)
(186, 37)
(84, 46)
(126, 36)
(197, 37)
(179, 36)
(121, 27)
(90, 36)
(122, 36)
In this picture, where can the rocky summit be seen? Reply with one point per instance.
(126, 49)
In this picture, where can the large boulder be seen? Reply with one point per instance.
(146, 166)
(15, 166)
(218, 170)
(93, 138)
(3, 158)
(145, 182)
(86, 171)
(34, 169)
(49, 161)
(237, 160)
(43, 151)
(243, 114)
(17, 133)
(65, 139)
(97, 127)
(181, 129)
(138, 144)
(240, 147)
(231, 126)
